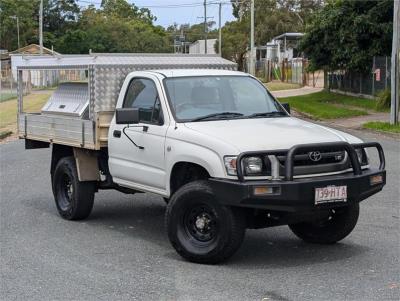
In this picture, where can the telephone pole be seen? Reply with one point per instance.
(41, 27)
(395, 68)
(219, 31)
(252, 49)
(16, 18)
(205, 26)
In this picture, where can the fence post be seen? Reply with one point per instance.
(386, 71)
(373, 77)
(360, 83)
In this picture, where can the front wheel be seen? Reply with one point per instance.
(339, 224)
(199, 228)
(74, 199)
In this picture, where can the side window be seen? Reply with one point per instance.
(142, 94)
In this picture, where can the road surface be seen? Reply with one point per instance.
(122, 252)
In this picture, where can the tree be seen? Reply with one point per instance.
(272, 18)
(116, 26)
(125, 10)
(347, 34)
(25, 11)
(235, 41)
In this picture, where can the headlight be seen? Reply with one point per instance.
(230, 165)
(253, 165)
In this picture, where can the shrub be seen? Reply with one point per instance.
(383, 100)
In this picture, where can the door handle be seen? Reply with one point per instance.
(117, 133)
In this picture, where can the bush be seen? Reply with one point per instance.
(383, 100)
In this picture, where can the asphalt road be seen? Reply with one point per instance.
(122, 252)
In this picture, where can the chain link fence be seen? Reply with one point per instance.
(364, 84)
(8, 86)
(289, 71)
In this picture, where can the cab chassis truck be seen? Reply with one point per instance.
(213, 142)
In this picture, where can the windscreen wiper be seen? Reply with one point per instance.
(216, 115)
(267, 114)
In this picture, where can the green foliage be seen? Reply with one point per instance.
(4, 134)
(25, 10)
(117, 26)
(272, 18)
(346, 34)
(114, 30)
(235, 41)
(124, 10)
(382, 126)
(383, 100)
(325, 105)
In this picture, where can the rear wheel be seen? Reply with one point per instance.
(199, 228)
(74, 199)
(338, 225)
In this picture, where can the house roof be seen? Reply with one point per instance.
(33, 49)
(289, 36)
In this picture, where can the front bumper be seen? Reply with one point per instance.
(298, 194)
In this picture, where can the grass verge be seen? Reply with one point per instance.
(8, 109)
(276, 86)
(325, 105)
(4, 134)
(382, 126)
(7, 96)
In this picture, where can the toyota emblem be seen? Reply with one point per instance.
(315, 156)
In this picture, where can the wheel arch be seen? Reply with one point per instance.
(59, 151)
(183, 172)
(85, 160)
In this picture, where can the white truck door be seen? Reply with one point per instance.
(141, 165)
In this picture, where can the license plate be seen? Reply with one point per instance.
(330, 194)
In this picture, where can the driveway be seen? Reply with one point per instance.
(122, 252)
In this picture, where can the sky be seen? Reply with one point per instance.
(181, 11)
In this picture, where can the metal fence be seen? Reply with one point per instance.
(289, 71)
(366, 84)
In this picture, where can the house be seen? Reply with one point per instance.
(36, 78)
(288, 45)
(198, 47)
(284, 46)
(31, 49)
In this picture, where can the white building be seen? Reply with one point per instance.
(284, 46)
(198, 47)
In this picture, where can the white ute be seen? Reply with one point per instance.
(214, 143)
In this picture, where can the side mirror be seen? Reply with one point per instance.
(127, 116)
(286, 106)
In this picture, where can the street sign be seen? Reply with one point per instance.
(378, 75)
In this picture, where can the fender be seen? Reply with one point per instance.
(182, 151)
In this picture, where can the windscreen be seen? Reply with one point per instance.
(219, 97)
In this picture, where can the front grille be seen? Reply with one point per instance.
(306, 158)
(316, 162)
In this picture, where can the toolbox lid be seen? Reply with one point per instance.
(70, 99)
